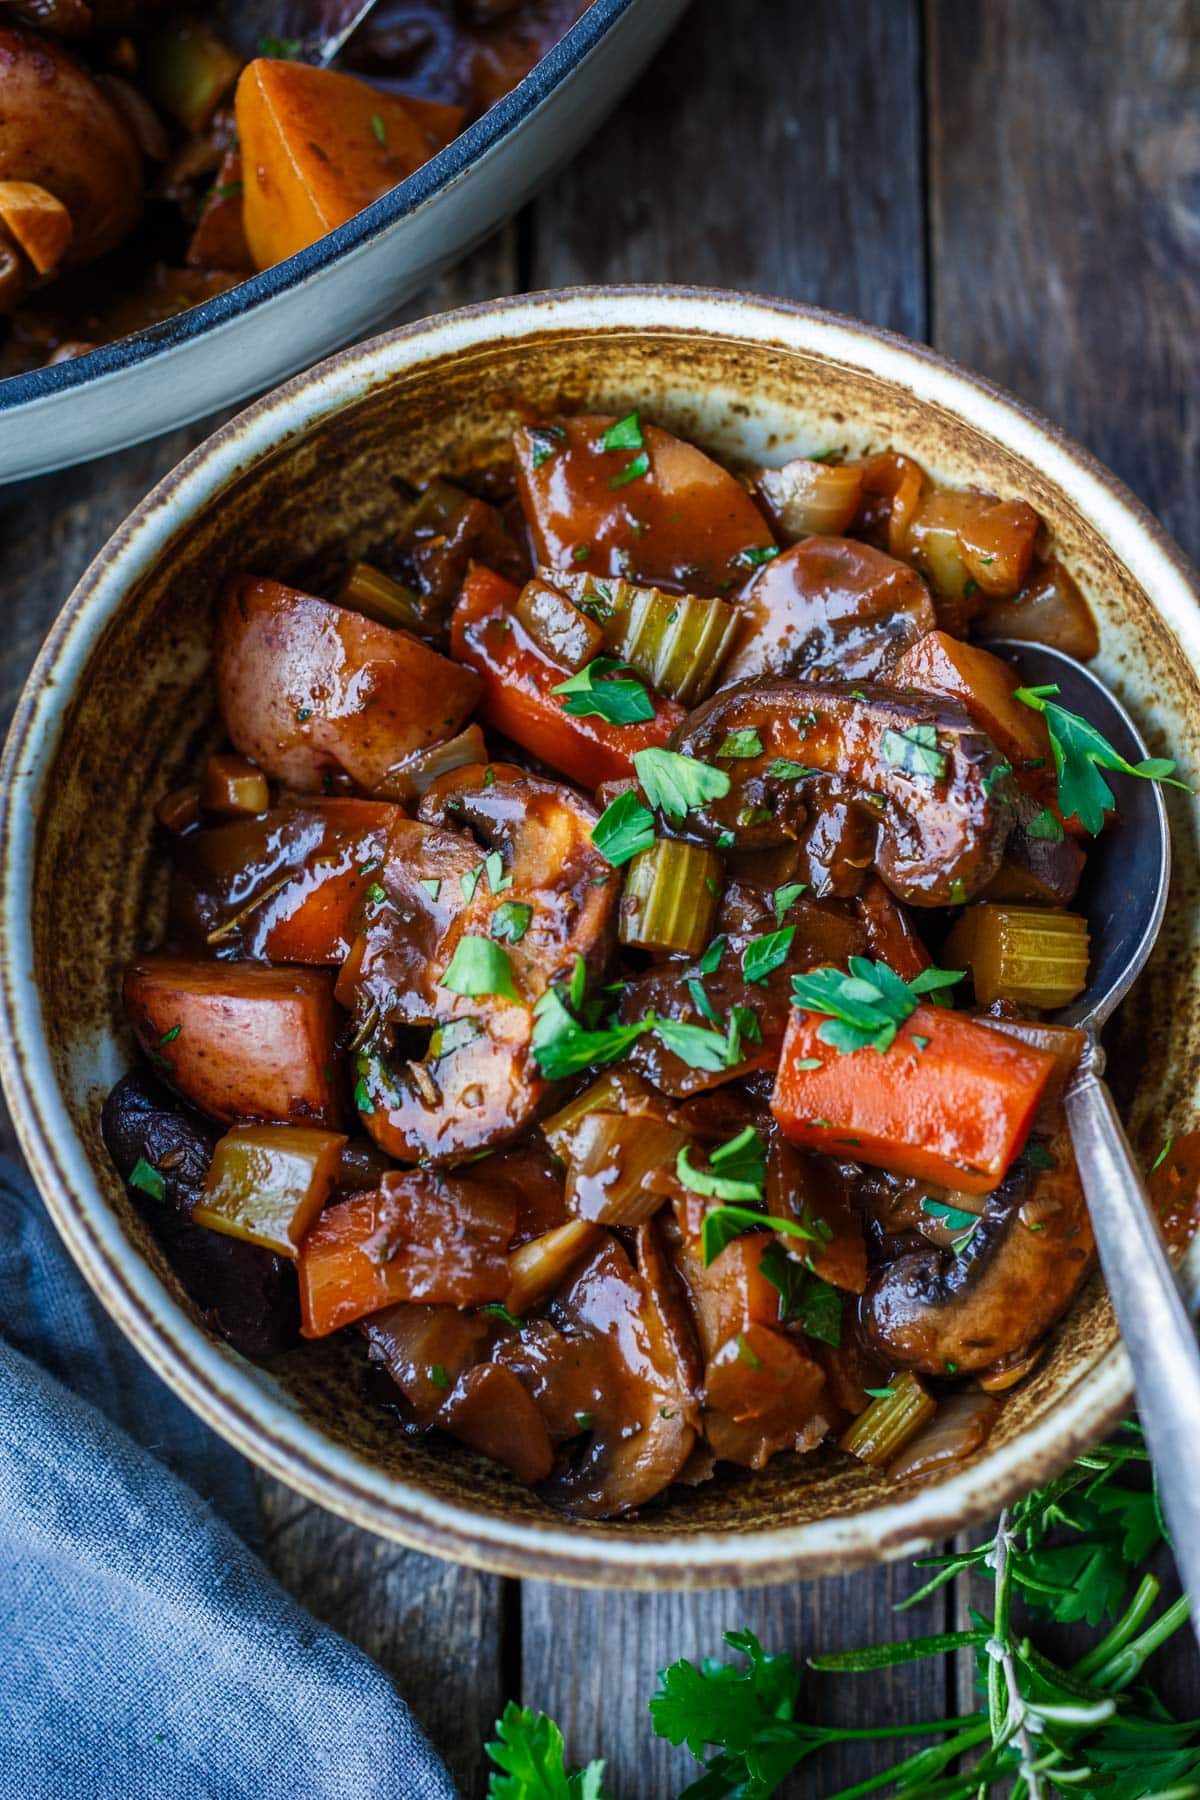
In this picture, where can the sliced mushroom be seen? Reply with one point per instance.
(640, 1435)
(1012, 1280)
(245, 1293)
(517, 870)
(830, 607)
(921, 774)
(654, 508)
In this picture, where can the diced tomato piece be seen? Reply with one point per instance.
(950, 1101)
(518, 679)
(421, 1236)
(239, 1040)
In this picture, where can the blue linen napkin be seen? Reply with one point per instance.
(145, 1652)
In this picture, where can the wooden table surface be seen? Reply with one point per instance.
(1016, 182)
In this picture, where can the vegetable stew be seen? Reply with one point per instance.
(145, 167)
(607, 973)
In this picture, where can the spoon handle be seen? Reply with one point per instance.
(1153, 1318)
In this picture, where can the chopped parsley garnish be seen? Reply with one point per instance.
(784, 896)
(363, 1102)
(766, 953)
(783, 769)
(868, 1005)
(626, 434)
(545, 440)
(284, 48)
(1038, 1157)
(455, 1035)
(581, 552)
(615, 700)
(1163, 1154)
(756, 555)
(378, 129)
(439, 1377)
(741, 744)
(994, 777)
(468, 883)
(497, 879)
(146, 1177)
(884, 1393)
(624, 828)
(168, 1037)
(432, 886)
(494, 1310)
(562, 1045)
(510, 921)
(726, 1222)
(745, 1354)
(634, 469)
(954, 1218)
(1080, 752)
(710, 962)
(479, 966)
(915, 751)
(1045, 825)
(678, 784)
(804, 1298)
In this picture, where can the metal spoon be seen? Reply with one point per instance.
(1125, 896)
(313, 30)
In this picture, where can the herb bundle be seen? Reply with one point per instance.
(1091, 1727)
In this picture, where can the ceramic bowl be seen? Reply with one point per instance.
(119, 707)
(351, 281)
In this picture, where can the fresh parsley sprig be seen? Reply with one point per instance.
(868, 1005)
(599, 691)
(1045, 1727)
(1080, 752)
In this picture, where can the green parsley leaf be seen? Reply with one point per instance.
(784, 896)
(804, 1298)
(883, 1393)
(783, 769)
(1163, 1154)
(494, 1310)
(626, 434)
(168, 1037)
(994, 777)
(562, 1046)
(497, 879)
(742, 1181)
(624, 828)
(741, 744)
(378, 129)
(439, 1377)
(479, 966)
(696, 1045)
(282, 48)
(147, 1179)
(1038, 1157)
(742, 1158)
(468, 883)
(1046, 826)
(363, 1102)
(866, 1006)
(915, 751)
(764, 954)
(452, 1036)
(634, 469)
(678, 784)
(510, 921)
(954, 1218)
(756, 555)
(616, 701)
(1080, 752)
(433, 887)
(545, 440)
(745, 1353)
(529, 1751)
(726, 1222)
(710, 962)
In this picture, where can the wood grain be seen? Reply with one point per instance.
(769, 147)
(1064, 142)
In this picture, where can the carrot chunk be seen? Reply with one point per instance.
(518, 697)
(951, 1101)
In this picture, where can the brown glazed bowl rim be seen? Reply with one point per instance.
(208, 1376)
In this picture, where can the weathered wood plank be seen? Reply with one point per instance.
(591, 1660)
(1065, 205)
(774, 148)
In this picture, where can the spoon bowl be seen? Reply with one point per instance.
(1124, 888)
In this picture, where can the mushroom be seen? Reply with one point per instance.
(652, 508)
(517, 873)
(924, 781)
(830, 606)
(1012, 1280)
(641, 1427)
(245, 1293)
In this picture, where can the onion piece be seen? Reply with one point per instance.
(891, 492)
(1049, 610)
(807, 499)
(612, 1156)
(619, 1091)
(409, 780)
(958, 1428)
(267, 1183)
(543, 1264)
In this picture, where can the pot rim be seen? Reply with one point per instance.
(208, 1376)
